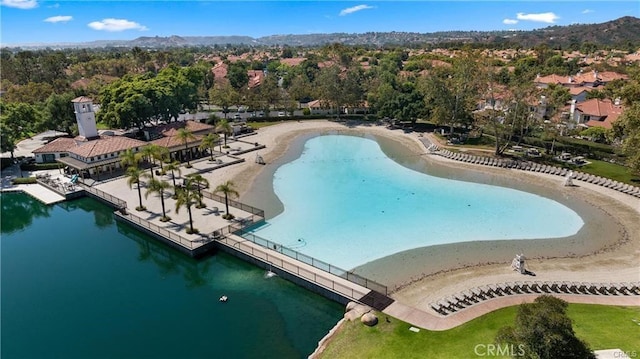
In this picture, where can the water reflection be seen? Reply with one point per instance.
(103, 215)
(19, 211)
(168, 260)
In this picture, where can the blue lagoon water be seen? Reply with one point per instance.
(77, 284)
(347, 203)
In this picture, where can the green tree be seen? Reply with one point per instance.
(134, 174)
(159, 187)
(160, 154)
(59, 113)
(173, 166)
(270, 92)
(556, 96)
(227, 189)
(187, 198)
(328, 86)
(17, 121)
(195, 180)
(452, 93)
(300, 88)
(627, 127)
(237, 75)
(543, 330)
(225, 96)
(209, 142)
(146, 152)
(129, 158)
(225, 127)
(185, 136)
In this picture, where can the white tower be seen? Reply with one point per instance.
(86, 118)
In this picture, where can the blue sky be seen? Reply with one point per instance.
(35, 21)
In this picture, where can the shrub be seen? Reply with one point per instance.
(25, 180)
(306, 111)
(39, 166)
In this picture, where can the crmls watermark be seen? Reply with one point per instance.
(624, 354)
(488, 350)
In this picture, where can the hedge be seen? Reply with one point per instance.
(24, 180)
(40, 166)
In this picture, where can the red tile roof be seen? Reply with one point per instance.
(104, 145)
(192, 126)
(578, 90)
(605, 109)
(82, 99)
(220, 72)
(62, 144)
(581, 78)
(295, 61)
(255, 78)
(171, 139)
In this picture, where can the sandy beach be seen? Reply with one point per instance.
(606, 249)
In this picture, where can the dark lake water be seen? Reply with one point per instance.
(78, 284)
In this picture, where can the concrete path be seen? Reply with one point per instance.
(422, 319)
(37, 191)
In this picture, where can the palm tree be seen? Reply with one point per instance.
(147, 154)
(195, 180)
(225, 127)
(209, 142)
(161, 154)
(228, 190)
(185, 135)
(129, 158)
(187, 198)
(159, 187)
(174, 166)
(134, 174)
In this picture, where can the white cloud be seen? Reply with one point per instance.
(20, 4)
(509, 21)
(54, 6)
(351, 10)
(587, 11)
(55, 19)
(547, 17)
(114, 25)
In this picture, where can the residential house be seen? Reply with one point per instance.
(596, 112)
(256, 77)
(318, 107)
(590, 79)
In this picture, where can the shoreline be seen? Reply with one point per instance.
(606, 248)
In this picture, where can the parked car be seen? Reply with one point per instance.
(237, 116)
(281, 114)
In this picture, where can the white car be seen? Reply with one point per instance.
(281, 114)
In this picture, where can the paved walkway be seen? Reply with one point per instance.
(422, 319)
(296, 267)
(206, 220)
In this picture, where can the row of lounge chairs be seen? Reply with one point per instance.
(479, 294)
(533, 167)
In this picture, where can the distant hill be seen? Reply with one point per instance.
(623, 31)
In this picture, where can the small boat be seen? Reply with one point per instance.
(224, 298)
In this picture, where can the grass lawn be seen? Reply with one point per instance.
(610, 170)
(602, 327)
